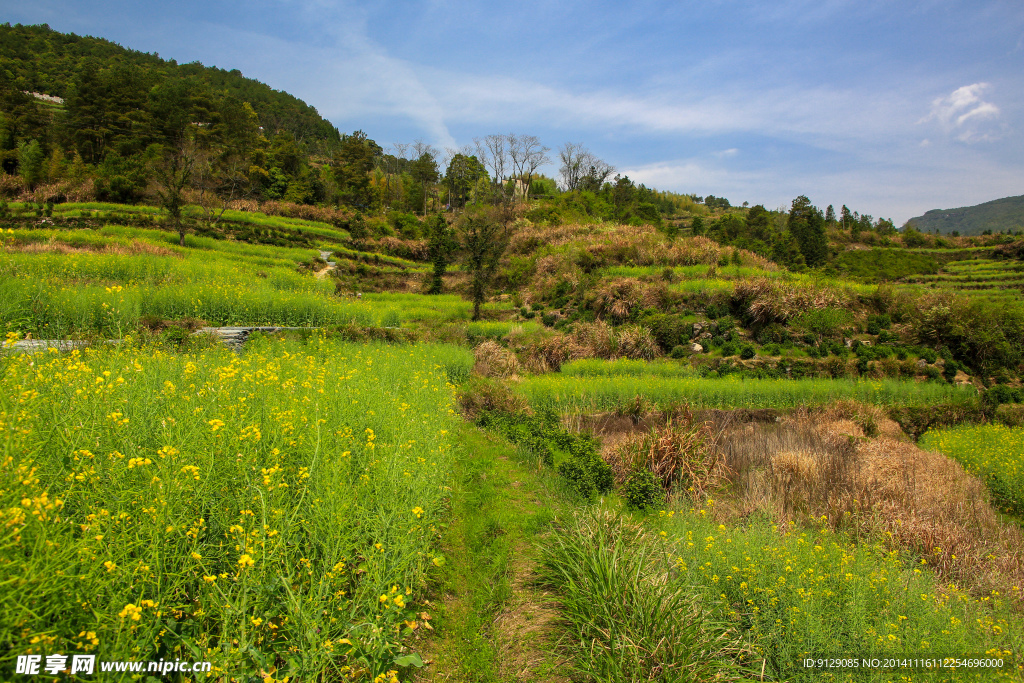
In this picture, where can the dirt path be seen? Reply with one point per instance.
(492, 624)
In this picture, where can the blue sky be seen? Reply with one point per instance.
(891, 107)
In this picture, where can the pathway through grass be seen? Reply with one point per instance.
(491, 623)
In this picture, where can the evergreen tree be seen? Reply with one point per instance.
(441, 245)
(807, 225)
(30, 162)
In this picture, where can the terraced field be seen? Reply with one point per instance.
(995, 280)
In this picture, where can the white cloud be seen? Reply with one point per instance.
(964, 115)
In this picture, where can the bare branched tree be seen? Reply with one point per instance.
(581, 169)
(526, 155)
(572, 155)
(492, 151)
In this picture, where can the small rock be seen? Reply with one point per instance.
(696, 348)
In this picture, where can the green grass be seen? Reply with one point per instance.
(596, 367)
(501, 503)
(994, 453)
(250, 509)
(56, 295)
(497, 329)
(574, 394)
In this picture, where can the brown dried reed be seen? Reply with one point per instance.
(819, 467)
(494, 360)
(681, 453)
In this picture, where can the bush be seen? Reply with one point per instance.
(1000, 394)
(642, 491)
(929, 356)
(728, 349)
(578, 476)
(679, 351)
(747, 352)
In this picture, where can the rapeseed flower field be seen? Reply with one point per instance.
(994, 453)
(813, 593)
(269, 511)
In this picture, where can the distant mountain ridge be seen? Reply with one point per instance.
(999, 215)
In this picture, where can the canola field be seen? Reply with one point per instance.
(811, 593)
(272, 511)
(994, 453)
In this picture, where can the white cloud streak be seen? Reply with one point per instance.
(964, 115)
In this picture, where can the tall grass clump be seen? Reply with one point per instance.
(274, 510)
(624, 621)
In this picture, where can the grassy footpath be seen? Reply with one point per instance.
(491, 623)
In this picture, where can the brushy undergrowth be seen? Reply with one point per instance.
(680, 454)
(624, 620)
(576, 457)
(274, 510)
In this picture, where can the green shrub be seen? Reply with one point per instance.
(679, 351)
(642, 491)
(747, 352)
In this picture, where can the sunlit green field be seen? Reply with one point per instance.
(590, 393)
(96, 291)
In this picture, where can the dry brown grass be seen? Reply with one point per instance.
(682, 453)
(59, 247)
(494, 360)
(775, 301)
(821, 464)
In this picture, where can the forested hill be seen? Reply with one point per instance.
(1000, 215)
(106, 77)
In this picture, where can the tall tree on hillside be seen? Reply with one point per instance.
(353, 161)
(173, 173)
(580, 169)
(845, 218)
(424, 171)
(492, 151)
(441, 244)
(30, 162)
(461, 177)
(484, 237)
(807, 225)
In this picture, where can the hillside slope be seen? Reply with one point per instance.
(39, 59)
(999, 215)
